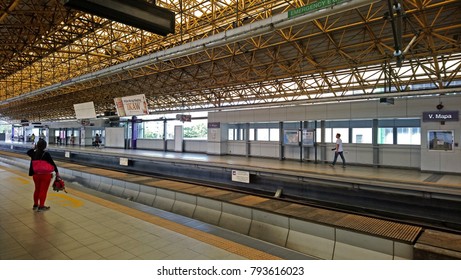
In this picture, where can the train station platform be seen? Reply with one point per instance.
(89, 226)
(260, 226)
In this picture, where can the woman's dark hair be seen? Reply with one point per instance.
(41, 145)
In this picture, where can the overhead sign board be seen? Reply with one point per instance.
(134, 105)
(85, 110)
(214, 125)
(439, 116)
(321, 4)
(184, 118)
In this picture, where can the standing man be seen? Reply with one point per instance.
(339, 150)
(97, 140)
(72, 139)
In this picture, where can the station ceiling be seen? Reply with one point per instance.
(226, 54)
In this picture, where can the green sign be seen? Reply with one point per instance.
(321, 4)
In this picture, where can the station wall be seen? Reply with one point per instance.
(405, 156)
(408, 156)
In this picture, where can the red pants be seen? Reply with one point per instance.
(42, 183)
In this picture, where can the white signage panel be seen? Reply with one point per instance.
(241, 176)
(85, 110)
(124, 161)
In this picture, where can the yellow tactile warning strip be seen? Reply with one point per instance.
(380, 227)
(230, 246)
(64, 200)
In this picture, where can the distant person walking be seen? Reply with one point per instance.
(72, 139)
(97, 140)
(41, 180)
(338, 150)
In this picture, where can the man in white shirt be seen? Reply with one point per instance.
(338, 150)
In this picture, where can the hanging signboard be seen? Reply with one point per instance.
(134, 105)
(214, 125)
(318, 5)
(85, 110)
(119, 107)
(184, 118)
(441, 116)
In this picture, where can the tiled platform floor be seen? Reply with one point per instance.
(82, 226)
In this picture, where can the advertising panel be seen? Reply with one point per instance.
(308, 137)
(440, 140)
(119, 106)
(134, 105)
(291, 137)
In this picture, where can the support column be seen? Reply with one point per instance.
(281, 146)
(247, 140)
(300, 142)
(322, 146)
(218, 135)
(165, 144)
(134, 132)
(374, 133)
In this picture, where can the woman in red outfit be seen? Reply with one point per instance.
(41, 181)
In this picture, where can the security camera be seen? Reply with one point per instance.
(440, 106)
